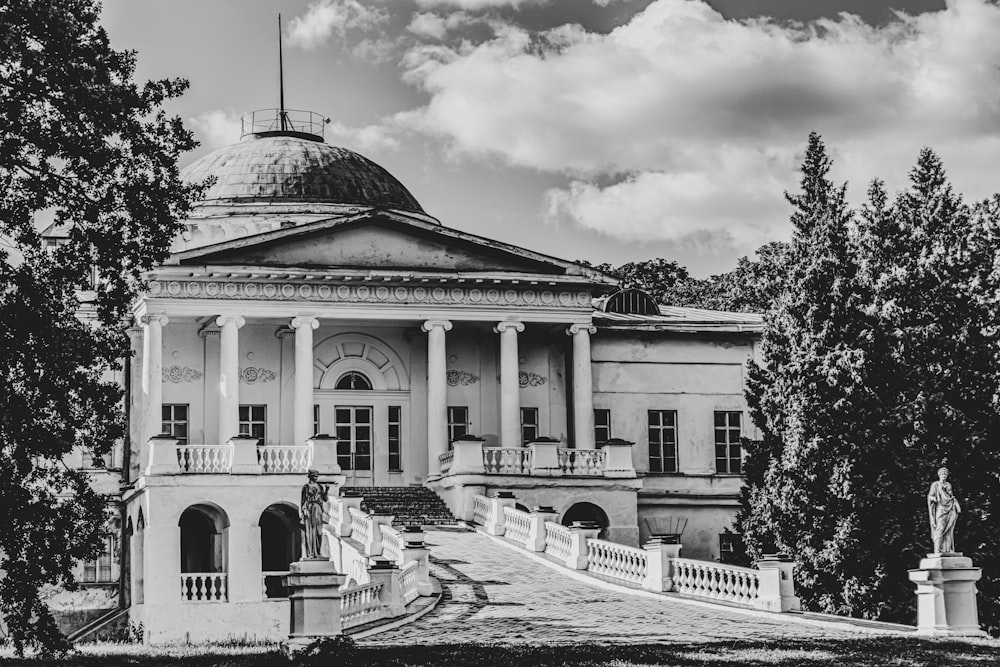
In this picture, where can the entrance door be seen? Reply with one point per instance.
(353, 429)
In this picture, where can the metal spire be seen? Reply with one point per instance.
(282, 114)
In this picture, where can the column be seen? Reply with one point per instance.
(510, 388)
(302, 427)
(583, 386)
(437, 393)
(229, 375)
(152, 375)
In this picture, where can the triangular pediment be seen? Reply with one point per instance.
(379, 241)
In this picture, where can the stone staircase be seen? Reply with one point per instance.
(411, 505)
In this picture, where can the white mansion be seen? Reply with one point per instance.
(311, 294)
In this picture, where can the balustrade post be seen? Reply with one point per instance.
(390, 597)
(618, 459)
(660, 564)
(580, 532)
(545, 458)
(779, 594)
(467, 456)
(536, 528)
(346, 503)
(324, 458)
(414, 549)
(245, 461)
(163, 456)
(500, 500)
(374, 545)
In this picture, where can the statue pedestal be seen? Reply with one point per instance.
(314, 593)
(946, 595)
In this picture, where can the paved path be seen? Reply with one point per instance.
(492, 593)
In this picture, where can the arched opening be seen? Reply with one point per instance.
(353, 380)
(138, 559)
(587, 512)
(280, 546)
(203, 553)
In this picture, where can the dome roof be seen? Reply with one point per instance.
(288, 169)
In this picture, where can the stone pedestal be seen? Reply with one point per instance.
(314, 593)
(946, 595)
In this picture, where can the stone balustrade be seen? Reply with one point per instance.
(409, 581)
(361, 526)
(541, 458)
(445, 461)
(581, 462)
(392, 544)
(285, 459)
(204, 587)
(507, 460)
(518, 525)
(657, 566)
(361, 604)
(204, 458)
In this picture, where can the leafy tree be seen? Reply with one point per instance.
(86, 145)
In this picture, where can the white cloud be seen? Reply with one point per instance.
(706, 115)
(368, 139)
(323, 18)
(477, 5)
(429, 25)
(217, 128)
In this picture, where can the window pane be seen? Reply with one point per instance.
(180, 412)
(362, 462)
(165, 410)
(244, 413)
(363, 416)
(720, 418)
(654, 418)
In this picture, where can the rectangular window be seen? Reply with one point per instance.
(175, 421)
(253, 420)
(728, 451)
(100, 570)
(529, 424)
(602, 425)
(728, 548)
(315, 420)
(395, 439)
(458, 422)
(662, 440)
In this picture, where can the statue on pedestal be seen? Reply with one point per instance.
(943, 509)
(314, 495)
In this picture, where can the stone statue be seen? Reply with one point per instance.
(314, 495)
(943, 508)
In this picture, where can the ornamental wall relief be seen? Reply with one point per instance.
(528, 379)
(178, 374)
(456, 378)
(255, 375)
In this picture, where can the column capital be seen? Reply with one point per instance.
(432, 324)
(304, 321)
(509, 324)
(153, 318)
(223, 320)
(574, 329)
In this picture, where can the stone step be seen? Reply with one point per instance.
(411, 505)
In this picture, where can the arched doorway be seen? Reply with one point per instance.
(204, 529)
(280, 546)
(587, 512)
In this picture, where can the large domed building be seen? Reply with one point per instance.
(314, 316)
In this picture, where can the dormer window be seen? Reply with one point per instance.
(631, 302)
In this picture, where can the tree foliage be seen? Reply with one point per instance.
(85, 145)
(881, 360)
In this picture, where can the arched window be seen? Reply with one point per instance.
(354, 380)
(631, 301)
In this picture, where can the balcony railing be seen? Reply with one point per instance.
(542, 458)
(285, 459)
(204, 587)
(205, 458)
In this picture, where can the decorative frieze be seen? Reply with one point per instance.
(178, 374)
(255, 375)
(456, 378)
(399, 294)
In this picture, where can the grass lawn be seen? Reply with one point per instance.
(880, 651)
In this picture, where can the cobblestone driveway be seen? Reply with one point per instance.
(494, 594)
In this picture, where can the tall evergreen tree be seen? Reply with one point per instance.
(82, 142)
(802, 495)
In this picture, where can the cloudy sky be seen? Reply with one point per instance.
(607, 130)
